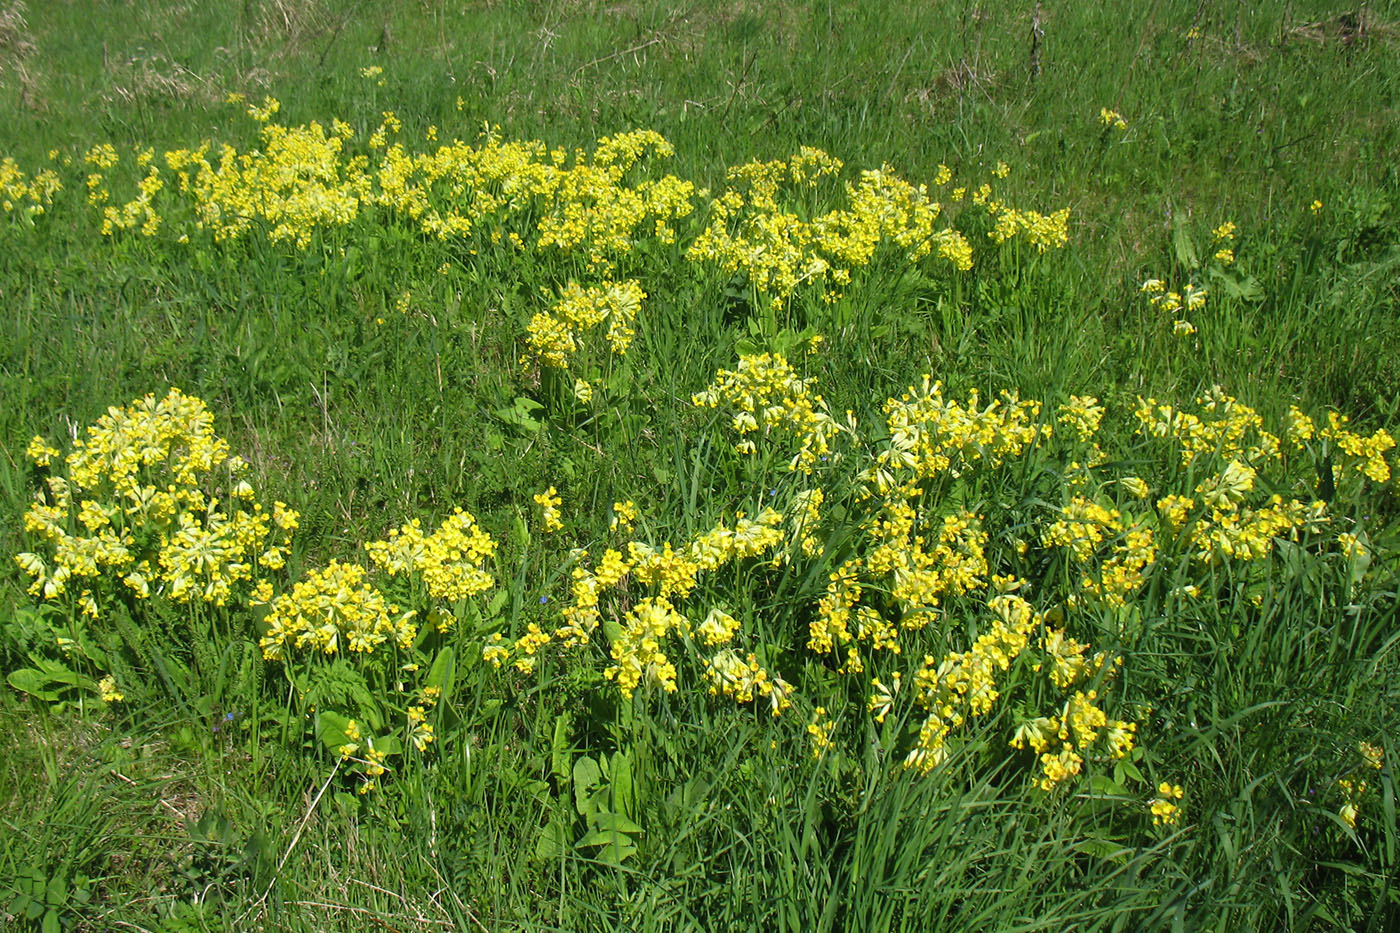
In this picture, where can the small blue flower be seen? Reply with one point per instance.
(543, 600)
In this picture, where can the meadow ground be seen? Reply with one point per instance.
(726, 465)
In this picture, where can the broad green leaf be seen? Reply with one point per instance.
(624, 790)
(587, 774)
(1104, 786)
(1185, 249)
(617, 851)
(332, 729)
(27, 680)
(443, 673)
(605, 821)
(552, 842)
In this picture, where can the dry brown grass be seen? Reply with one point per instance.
(147, 77)
(292, 21)
(16, 42)
(1353, 27)
(17, 47)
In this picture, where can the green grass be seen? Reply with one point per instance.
(160, 813)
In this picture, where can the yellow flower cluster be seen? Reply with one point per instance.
(1112, 118)
(744, 680)
(334, 609)
(757, 227)
(819, 731)
(1190, 298)
(556, 335)
(1360, 455)
(931, 435)
(1082, 527)
(637, 646)
(27, 196)
(302, 179)
(549, 503)
(1225, 429)
(1164, 811)
(965, 685)
(450, 559)
(767, 395)
(1043, 231)
(1226, 525)
(137, 506)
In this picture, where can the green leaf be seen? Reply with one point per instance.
(443, 673)
(332, 729)
(57, 893)
(587, 774)
(51, 922)
(27, 680)
(560, 746)
(552, 842)
(624, 789)
(387, 744)
(1185, 250)
(617, 851)
(1104, 849)
(1104, 786)
(605, 821)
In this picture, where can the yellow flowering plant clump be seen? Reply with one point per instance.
(766, 396)
(345, 643)
(147, 509)
(764, 226)
(556, 335)
(26, 196)
(332, 610)
(153, 505)
(306, 179)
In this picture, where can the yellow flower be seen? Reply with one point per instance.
(624, 515)
(549, 502)
(107, 687)
(1112, 118)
